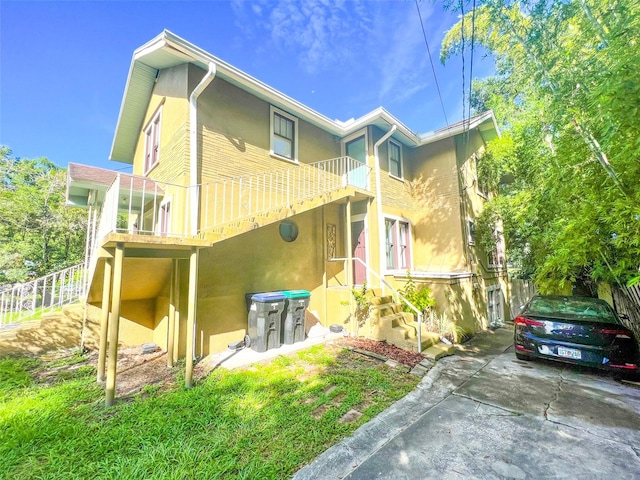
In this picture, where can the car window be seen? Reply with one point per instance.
(571, 307)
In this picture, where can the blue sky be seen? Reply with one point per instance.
(63, 65)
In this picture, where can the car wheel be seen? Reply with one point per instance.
(523, 356)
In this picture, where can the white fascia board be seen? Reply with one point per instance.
(199, 56)
(189, 53)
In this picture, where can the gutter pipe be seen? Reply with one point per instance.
(381, 238)
(384, 138)
(193, 144)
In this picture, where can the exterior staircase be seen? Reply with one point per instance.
(21, 302)
(389, 322)
(133, 206)
(259, 220)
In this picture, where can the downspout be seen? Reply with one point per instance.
(193, 145)
(381, 238)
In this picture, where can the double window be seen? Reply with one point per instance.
(152, 142)
(395, 159)
(397, 244)
(284, 135)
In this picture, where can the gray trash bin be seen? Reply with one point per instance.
(265, 315)
(293, 316)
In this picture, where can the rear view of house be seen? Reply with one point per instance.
(237, 188)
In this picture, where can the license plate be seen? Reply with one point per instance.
(569, 353)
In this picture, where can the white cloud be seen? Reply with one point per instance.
(320, 34)
(377, 44)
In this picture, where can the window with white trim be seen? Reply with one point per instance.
(397, 244)
(152, 142)
(482, 187)
(471, 232)
(284, 135)
(395, 159)
(164, 220)
(496, 255)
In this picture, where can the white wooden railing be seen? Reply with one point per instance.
(230, 200)
(142, 206)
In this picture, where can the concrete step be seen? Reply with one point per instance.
(379, 301)
(439, 350)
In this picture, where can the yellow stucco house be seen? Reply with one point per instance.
(237, 188)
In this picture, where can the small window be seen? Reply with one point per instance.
(471, 232)
(164, 220)
(152, 142)
(497, 255)
(284, 135)
(397, 244)
(395, 160)
(482, 188)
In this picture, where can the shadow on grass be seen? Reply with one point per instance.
(265, 421)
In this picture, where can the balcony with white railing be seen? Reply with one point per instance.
(144, 207)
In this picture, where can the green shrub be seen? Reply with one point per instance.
(419, 296)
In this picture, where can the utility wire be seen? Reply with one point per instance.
(473, 35)
(464, 92)
(433, 69)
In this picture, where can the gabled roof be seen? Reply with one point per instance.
(169, 50)
(83, 179)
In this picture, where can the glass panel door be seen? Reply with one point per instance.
(357, 149)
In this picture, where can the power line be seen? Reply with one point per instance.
(473, 35)
(433, 69)
(464, 93)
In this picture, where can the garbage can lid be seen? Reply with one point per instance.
(296, 293)
(268, 297)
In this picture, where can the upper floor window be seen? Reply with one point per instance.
(152, 142)
(471, 232)
(395, 159)
(284, 135)
(482, 187)
(496, 255)
(397, 244)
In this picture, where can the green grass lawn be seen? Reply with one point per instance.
(263, 422)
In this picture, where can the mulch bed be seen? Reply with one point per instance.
(411, 359)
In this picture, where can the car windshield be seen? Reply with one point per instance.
(570, 307)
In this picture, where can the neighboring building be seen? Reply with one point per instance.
(237, 188)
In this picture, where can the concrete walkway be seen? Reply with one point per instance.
(483, 414)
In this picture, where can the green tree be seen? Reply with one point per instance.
(38, 234)
(567, 91)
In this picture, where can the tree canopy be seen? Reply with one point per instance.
(567, 95)
(38, 234)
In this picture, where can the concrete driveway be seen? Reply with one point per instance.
(483, 414)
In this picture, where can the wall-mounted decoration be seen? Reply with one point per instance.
(288, 230)
(331, 241)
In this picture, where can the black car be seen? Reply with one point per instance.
(579, 330)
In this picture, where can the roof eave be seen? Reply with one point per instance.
(141, 70)
(484, 119)
(142, 73)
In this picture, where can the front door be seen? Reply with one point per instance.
(359, 250)
(357, 149)
(494, 307)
